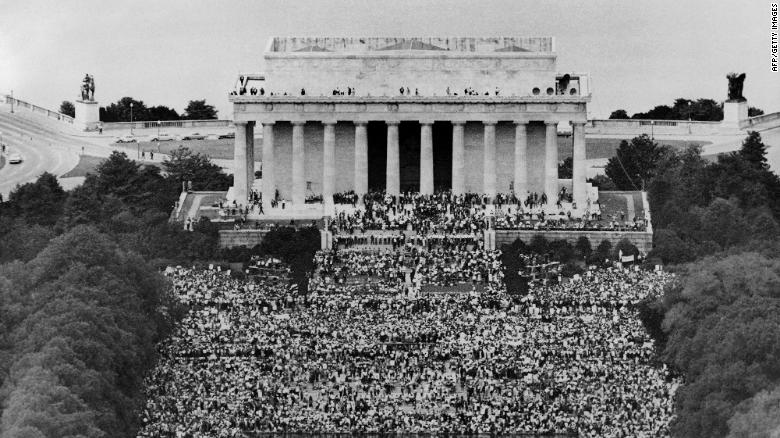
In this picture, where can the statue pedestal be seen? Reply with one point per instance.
(87, 115)
(733, 114)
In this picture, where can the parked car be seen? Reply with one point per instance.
(164, 137)
(126, 139)
(228, 135)
(195, 136)
(14, 158)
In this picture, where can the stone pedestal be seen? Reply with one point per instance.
(734, 113)
(87, 115)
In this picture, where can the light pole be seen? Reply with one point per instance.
(12, 101)
(158, 136)
(652, 133)
(131, 118)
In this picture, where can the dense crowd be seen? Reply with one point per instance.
(253, 356)
(413, 267)
(445, 214)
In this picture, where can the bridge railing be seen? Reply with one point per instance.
(651, 127)
(21, 104)
(765, 121)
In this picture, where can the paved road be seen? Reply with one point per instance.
(42, 148)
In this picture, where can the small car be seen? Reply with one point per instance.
(163, 137)
(14, 158)
(126, 139)
(195, 136)
(228, 135)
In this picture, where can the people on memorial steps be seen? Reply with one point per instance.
(255, 356)
(445, 212)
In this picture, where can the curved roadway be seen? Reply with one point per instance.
(43, 148)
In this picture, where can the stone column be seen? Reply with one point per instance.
(426, 159)
(361, 158)
(269, 180)
(328, 167)
(298, 166)
(393, 177)
(521, 160)
(458, 158)
(578, 179)
(489, 160)
(250, 156)
(239, 164)
(551, 162)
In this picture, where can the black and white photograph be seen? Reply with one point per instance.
(407, 218)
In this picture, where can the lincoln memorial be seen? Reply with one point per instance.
(470, 115)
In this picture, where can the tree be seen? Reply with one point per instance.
(39, 202)
(199, 110)
(121, 112)
(163, 113)
(634, 163)
(754, 151)
(619, 114)
(67, 108)
(753, 111)
(722, 320)
(583, 247)
(185, 165)
(603, 183)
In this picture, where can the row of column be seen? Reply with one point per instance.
(244, 160)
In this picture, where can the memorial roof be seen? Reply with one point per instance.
(375, 44)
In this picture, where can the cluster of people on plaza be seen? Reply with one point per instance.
(253, 357)
(410, 267)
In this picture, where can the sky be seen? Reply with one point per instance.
(639, 53)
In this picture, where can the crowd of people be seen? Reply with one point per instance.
(410, 267)
(446, 213)
(254, 356)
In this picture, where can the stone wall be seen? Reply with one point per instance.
(655, 127)
(642, 240)
(248, 238)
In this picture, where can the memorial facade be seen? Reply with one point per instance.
(470, 115)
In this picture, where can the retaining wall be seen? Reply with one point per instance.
(248, 238)
(642, 239)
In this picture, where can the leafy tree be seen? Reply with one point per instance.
(185, 165)
(685, 109)
(120, 111)
(162, 113)
(626, 247)
(67, 108)
(757, 416)
(634, 163)
(603, 252)
(754, 151)
(39, 202)
(199, 110)
(539, 244)
(753, 111)
(583, 247)
(723, 326)
(603, 183)
(660, 112)
(619, 114)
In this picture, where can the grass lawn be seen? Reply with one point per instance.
(88, 164)
(217, 149)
